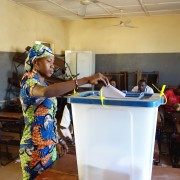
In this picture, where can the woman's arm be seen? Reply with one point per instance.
(58, 89)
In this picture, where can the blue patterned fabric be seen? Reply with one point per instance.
(38, 143)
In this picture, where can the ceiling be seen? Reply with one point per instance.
(74, 9)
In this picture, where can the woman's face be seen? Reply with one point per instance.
(45, 66)
(113, 83)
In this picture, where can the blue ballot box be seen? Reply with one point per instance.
(115, 141)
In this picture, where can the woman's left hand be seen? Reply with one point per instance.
(62, 148)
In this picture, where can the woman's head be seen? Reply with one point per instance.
(44, 66)
(113, 82)
(40, 58)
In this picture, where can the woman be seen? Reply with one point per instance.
(173, 99)
(40, 138)
(113, 83)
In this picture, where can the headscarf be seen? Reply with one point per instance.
(36, 52)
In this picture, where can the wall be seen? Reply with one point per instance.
(167, 64)
(155, 34)
(21, 27)
(5, 67)
(153, 46)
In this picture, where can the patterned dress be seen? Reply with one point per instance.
(38, 143)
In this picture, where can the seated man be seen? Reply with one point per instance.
(142, 87)
(173, 99)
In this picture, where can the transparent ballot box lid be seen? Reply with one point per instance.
(131, 99)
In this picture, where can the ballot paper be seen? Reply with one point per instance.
(110, 91)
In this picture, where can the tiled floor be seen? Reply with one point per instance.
(165, 158)
(12, 171)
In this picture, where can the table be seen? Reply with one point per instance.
(12, 118)
(66, 169)
(11, 115)
(10, 122)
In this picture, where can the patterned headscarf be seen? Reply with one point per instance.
(36, 52)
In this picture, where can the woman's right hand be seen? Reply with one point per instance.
(95, 78)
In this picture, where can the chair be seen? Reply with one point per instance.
(166, 130)
(6, 140)
(13, 123)
(175, 150)
(156, 157)
(175, 142)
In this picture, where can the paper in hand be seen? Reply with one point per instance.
(112, 92)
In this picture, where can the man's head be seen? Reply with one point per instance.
(142, 85)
